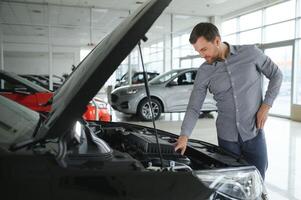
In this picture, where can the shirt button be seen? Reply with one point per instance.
(237, 123)
(235, 96)
(229, 72)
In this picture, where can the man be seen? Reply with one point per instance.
(233, 75)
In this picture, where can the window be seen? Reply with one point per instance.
(185, 79)
(250, 37)
(299, 25)
(251, 20)
(285, 31)
(231, 39)
(229, 26)
(280, 12)
(12, 86)
(297, 95)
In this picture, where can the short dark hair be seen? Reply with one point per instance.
(208, 30)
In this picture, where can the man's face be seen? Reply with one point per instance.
(207, 50)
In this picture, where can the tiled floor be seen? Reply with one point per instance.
(283, 178)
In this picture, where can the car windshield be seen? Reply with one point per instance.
(17, 123)
(163, 78)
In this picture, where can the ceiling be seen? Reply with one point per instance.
(82, 22)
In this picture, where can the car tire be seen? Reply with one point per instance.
(143, 111)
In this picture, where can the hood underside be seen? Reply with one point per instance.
(70, 101)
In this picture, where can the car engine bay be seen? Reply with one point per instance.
(133, 146)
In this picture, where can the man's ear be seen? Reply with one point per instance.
(217, 41)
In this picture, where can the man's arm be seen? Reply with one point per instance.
(196, 100)
(274, 74)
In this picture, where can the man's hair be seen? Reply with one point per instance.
(205, 29)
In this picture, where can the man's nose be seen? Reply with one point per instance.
(202, 55)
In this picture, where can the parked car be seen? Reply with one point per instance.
(38, 98)
(170, 93)
(43, 80)
(63, 156)
(137, 77)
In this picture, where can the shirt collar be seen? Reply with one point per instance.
(233, 50)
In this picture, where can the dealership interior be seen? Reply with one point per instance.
(44, 41)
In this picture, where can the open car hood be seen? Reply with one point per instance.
(70, 101)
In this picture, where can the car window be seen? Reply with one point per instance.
(17, 123)
(164, 77)
(185, 78)
(11, 85)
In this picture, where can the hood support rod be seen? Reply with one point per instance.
(149, 100)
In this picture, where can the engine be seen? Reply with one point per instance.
(142, 145)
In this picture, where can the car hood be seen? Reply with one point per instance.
(70, 101)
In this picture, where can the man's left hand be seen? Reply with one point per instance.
(262, 115)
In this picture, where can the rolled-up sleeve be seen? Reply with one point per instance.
(267, 67)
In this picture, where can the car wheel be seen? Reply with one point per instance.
(144, 112)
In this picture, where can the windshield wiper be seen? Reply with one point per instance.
(149, 100)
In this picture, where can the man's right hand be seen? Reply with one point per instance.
(181, 143)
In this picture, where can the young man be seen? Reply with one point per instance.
(233, 74)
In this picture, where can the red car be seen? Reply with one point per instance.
(38, 98)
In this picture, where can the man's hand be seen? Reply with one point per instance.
(181, 143)
(262, 115)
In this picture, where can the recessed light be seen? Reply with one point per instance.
(139, 2)
(36, 11)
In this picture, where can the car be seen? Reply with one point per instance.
(137, 78)
(38, 98)
(62, 156)
(43, 80)
(170, 93)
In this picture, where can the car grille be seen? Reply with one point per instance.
(114, 98)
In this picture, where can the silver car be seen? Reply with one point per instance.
(170, 93)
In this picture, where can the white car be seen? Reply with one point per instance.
(170, 93)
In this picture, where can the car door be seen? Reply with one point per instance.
(178, 91)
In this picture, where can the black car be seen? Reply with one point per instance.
(137, 78)
(61, 156)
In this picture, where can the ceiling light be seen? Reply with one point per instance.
(36, 11)
(100, 10)
(182, 16)
(139, 2)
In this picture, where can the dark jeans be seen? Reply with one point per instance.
(254, 151)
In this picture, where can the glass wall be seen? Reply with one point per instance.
(262, 25)
(272, 25)
(297, 74)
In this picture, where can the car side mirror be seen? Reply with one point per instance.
(172, 84)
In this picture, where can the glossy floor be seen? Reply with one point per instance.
(283, 178)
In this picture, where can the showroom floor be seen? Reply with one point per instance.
(283, 139)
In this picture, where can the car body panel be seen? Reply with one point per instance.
(86, 172)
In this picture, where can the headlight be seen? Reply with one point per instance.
(233, 183)
(132, 91)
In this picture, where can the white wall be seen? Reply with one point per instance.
(38, 63)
